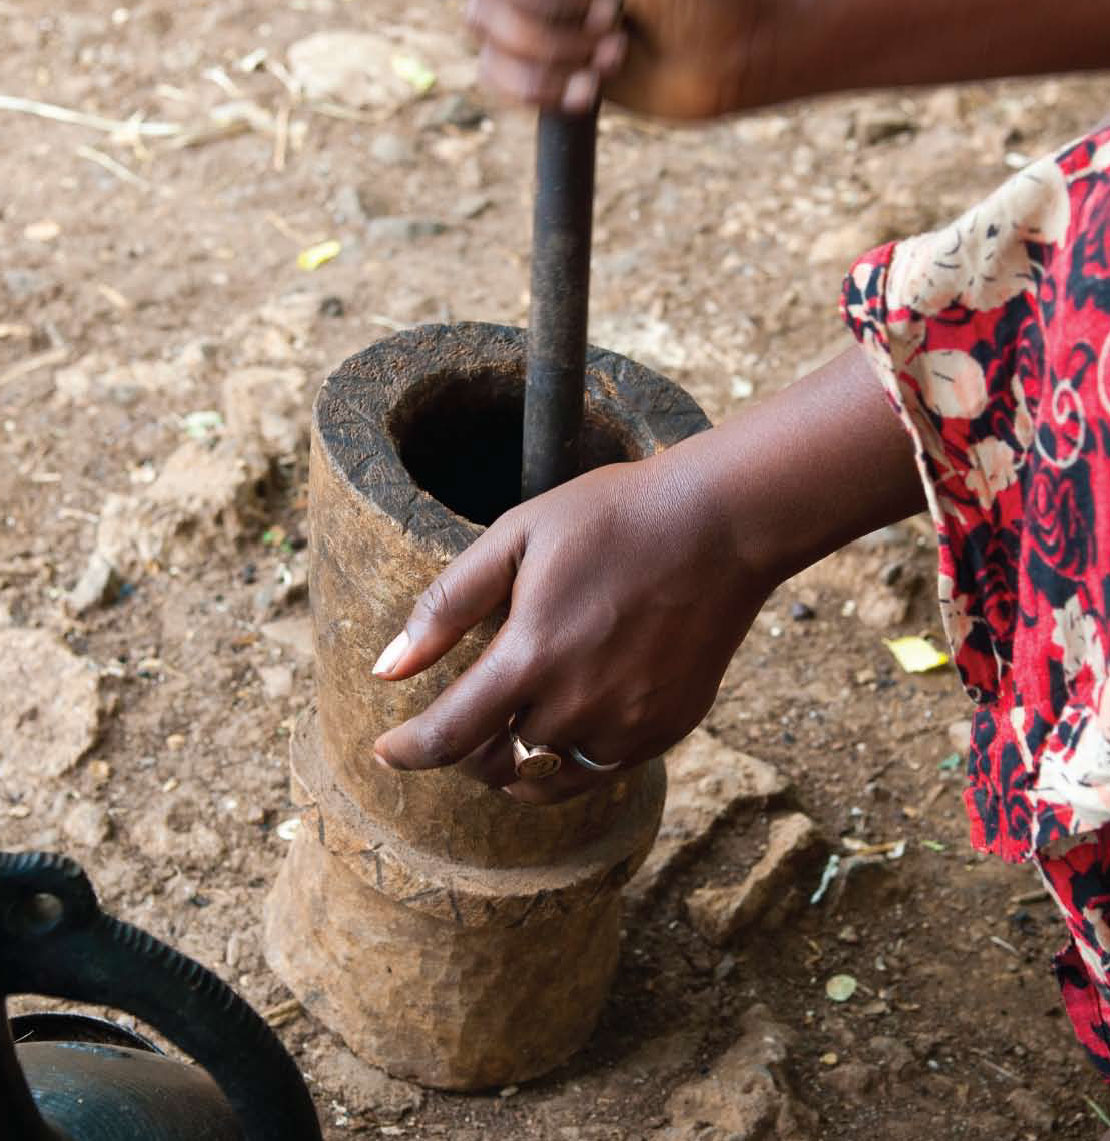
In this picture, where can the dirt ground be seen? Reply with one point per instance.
(138, 272)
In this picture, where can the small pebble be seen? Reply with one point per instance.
(392, 150)
(800, 612)
(45, 231)
(87, 824)
(287, 829)
(959, 734)
(277, 681)
(472, 205)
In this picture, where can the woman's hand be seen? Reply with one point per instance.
(631, 586)
(676, 58)
(628, 601)
(693, 59)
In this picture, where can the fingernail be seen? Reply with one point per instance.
(383, 762)
(610, 52)
(580, 92)
(391, 655)
(602, 15)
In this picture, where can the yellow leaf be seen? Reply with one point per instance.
(315, 256)
(916, 655)
(417, 75)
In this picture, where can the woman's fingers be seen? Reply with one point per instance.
(573, 779)
(523, 80)
(574, 91)
(493, 763)
(620, 627)
(470, 589)
(566, 784)
(466, 715)
(595, 741)
(551, 53)
(512, 29)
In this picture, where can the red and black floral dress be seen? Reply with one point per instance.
(992, 338)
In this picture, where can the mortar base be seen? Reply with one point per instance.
(446, 1006)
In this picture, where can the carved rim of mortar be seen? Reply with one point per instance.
(359, 401)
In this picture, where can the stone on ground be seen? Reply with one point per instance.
(293, 634)
(876, 125)
(97, 586)
(354, 68)
(841, 245)
(745, 1096)
(959, 734)
(97, 376)
(707, 782)
(392, 150)
(1033, 1110)
(263, 407)
(175, 828)
(87, 824)
(277, 681)
(367, 69)
(397, 229)
(854, 1081)
(49, 706)
(205, 495)
(364, 1089)
(770, 890)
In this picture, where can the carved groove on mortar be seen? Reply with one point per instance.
(459, 893)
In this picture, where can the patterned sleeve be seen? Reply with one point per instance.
(949, 319)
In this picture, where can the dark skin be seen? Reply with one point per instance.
(692, 59)
(630, 588)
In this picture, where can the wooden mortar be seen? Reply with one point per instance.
(450, 934)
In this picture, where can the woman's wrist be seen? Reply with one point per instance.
(817, 465)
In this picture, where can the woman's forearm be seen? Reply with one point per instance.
(819, 464)
(821, 46)
(693, 59)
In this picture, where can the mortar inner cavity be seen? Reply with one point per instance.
(461, 437)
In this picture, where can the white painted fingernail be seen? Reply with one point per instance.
(581, 90)
(391, 655)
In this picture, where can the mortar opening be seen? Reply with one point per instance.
(461, 439)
